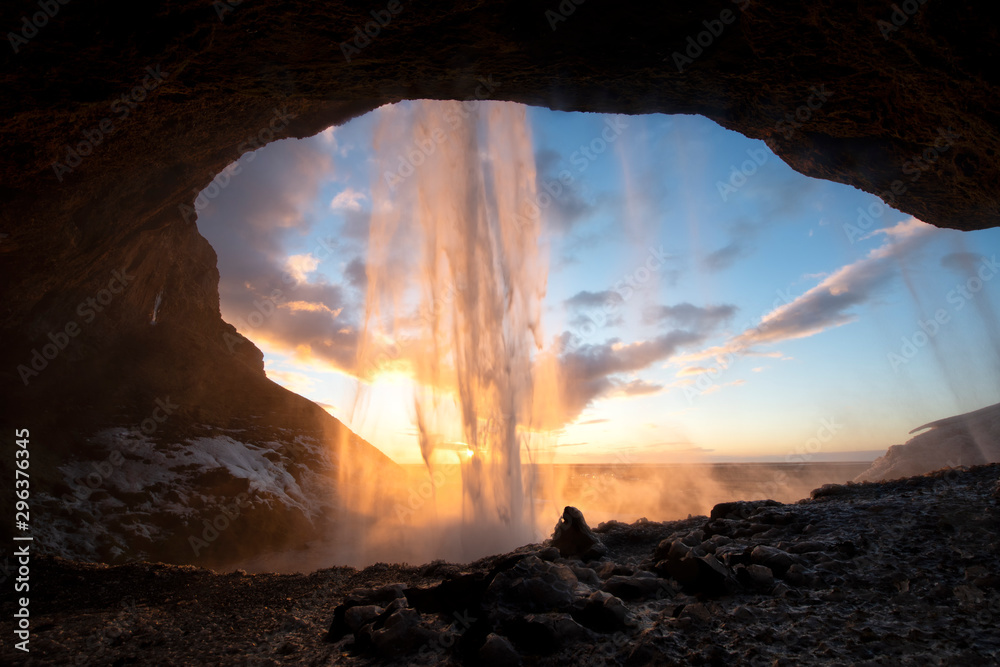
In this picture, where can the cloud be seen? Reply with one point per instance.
(585, 299)
(726, 256)
(349, 200)
(602, 307)
(690, 316)
(584, 321)
(831, 303)
(639, 388)
(590, 422)
(692, 370)
(299, 266)
(587, 371)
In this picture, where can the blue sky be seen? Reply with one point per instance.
(670, 239)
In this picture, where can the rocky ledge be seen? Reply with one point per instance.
(902, 572)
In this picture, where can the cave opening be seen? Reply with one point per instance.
(702, 305)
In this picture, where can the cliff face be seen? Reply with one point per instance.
(115, 119)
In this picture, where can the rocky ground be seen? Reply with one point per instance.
(892, 573)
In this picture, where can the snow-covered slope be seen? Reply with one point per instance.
(210, 499)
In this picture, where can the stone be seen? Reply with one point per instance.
(497, 651)
(549, 553)
(698, 611)
(635, 587)
(534, 585)
(586, 575)
(356, 617)
(542, 633)
(806, 547)
(740, 509)
(779, 561)
(401, 634)
(602, 612)
(761, 576)
(700, 575)
(574, 538)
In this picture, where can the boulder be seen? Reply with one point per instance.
(497, 651)
(574, 538)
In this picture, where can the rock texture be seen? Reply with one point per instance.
(963, 440)
(115, 119)
(901, 573)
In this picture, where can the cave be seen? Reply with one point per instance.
(117, 118)
(109, 141)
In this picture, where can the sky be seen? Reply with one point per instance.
(704, 300)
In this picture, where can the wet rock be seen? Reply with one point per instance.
(741, 509)
(694, 539)
(455, 594)
(497, 651)
(781, 590)
(758, 577)
(364, 597)
(542, 633)
(797, 575)
(549, 553)
(699, 575)
(401, 634)
(830, 490)
(356, 617)
(605, 569)
(804, 547)
(636, 587)
(696, 610)
(586, 575)
(777, 560)
(602, 612)
(535, 585)
(574, 538)
(671, 550)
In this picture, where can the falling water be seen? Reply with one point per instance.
(455, 231)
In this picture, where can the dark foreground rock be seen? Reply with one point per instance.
(901, 573)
